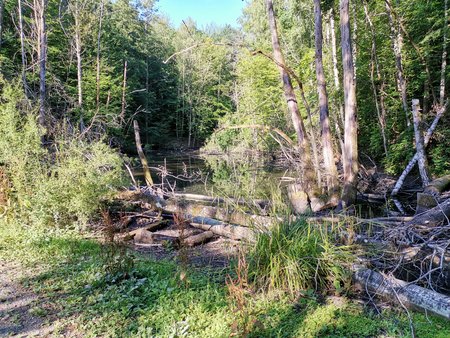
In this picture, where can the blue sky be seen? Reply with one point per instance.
(203, 12)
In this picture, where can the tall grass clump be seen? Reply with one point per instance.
(300, 256)
(60, 183)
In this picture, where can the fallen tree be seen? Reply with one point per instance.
(398, 291)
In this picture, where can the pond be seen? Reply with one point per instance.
(243, 176)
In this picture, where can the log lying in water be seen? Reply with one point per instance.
(429, 197)
(398, 291)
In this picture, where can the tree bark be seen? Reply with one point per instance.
(420, 148)
(22, 49)
(78, 50)
(40, 10)
(143, 158)
(444, 56)
(397, 44)
(413, 161)
(97, 75)
(124, 92)
(310, 180)
(350, 155)
(327, 145)
(398, 291)
(198, 239)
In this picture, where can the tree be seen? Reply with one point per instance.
(350, 156)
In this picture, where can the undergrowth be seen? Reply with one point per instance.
(300, 256)
(67, 270)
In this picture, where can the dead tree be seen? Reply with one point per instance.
(97, 75)
(2, 5)
(142, 157)
(413, 161)
(420, 148)
(124, 92)
(327, 145)
(350, 156)
(40, 7)
(310, 180)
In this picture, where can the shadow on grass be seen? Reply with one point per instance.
(147, 299)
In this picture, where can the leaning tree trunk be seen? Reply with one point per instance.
(142, 157)
(350, 155)
(414, 160)
(328, 156)
(302, 137)
(420, 148)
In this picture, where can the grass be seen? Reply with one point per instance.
(73, 276)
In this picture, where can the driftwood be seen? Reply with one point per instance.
(398, 291)
(198, 239)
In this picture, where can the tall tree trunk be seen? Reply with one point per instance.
(97, 75)
(302, 137)
(328, 156)
(41, 8)
(380, 107)
(78, 50)
(124, 92)
(444, 56)
(420, 148)
(143, 158)
(397, 44)
(22, 49)
(350, 155)
(340, 112)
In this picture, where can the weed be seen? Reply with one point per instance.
(299, 256)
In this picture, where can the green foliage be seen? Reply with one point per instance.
(300, 256)
(58, 185)
(152, 303)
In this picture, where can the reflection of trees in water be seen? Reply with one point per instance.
(243, 176)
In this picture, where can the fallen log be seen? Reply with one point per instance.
(438, 186)
(398, 291)
(146, 237)
(434, 216)
(220, 200)
(148, 227)
(232, 231)
(222, 214)
(198, 239)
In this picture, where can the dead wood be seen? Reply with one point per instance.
(403, 293)
(198, 239)
(144, 236)
(232, 231)
(433, 217)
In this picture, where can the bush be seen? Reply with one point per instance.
(60, 184)
(299, 256)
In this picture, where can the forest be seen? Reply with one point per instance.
(288, 176)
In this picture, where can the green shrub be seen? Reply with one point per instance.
(62, 183)
(299, 256)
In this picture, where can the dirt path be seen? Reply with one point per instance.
(21, 311)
